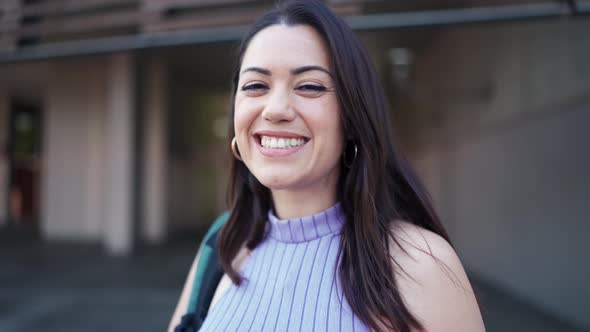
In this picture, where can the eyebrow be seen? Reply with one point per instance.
(295, 71)
(258, 70)
(304, 69)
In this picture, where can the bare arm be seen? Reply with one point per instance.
(435, 289)
(225, 282)
(182, 305)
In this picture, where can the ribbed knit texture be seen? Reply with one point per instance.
(289, 282)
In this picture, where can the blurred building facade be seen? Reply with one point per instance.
(113, 120)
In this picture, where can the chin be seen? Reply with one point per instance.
(277, 182)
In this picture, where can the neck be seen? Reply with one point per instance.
(301, 202)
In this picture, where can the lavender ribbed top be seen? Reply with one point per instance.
(289, 281)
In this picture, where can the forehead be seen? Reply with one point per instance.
(286, 46)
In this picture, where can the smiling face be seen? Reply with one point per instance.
(286, 113)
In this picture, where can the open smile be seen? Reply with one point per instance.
(279, 144)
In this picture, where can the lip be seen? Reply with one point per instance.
(285, 134)
(268, 152)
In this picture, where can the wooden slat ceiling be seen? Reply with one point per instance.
(29, 23)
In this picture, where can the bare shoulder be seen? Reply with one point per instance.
(432, 280)
(419, 248)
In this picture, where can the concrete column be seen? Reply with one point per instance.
(73, 171)
(4, 127)
(154, 173)
(119, 151)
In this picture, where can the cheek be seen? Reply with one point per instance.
(323, 117)
(245, 114)
(243, 117)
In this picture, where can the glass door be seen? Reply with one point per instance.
(24, 149)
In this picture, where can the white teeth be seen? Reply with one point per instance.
(280, 143)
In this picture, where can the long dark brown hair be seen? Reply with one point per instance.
(375, 191)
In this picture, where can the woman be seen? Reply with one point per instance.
(329, 228)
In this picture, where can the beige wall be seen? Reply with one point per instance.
(74, 140)
(155, 150)
(83, 165)
(502, 114)
(88, 123)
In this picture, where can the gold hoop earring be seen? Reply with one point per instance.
(344, 159)
(234, 149)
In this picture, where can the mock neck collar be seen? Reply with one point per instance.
(307, 228)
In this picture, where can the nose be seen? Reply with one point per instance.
(278, 107)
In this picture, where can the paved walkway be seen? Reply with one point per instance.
(75, 287)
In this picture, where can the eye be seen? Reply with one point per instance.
(254, 87)
(313, 90)
(312, 87)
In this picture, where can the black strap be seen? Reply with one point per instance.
(191, 322)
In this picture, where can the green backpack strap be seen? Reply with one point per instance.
(208, 274)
